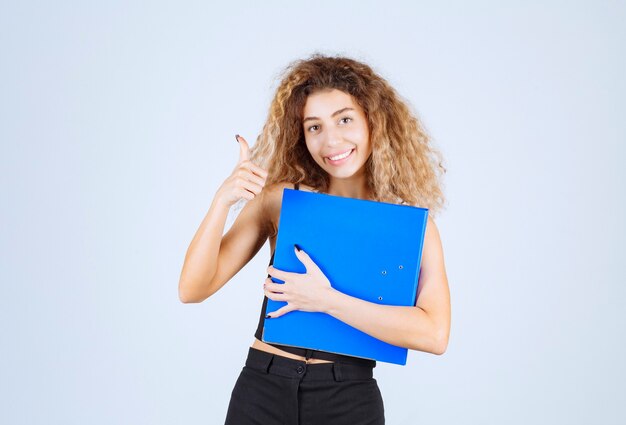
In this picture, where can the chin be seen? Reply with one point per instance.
(341, 174)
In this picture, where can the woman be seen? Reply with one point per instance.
(335, 127)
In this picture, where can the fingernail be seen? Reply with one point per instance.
(297, 247)
(237, 138)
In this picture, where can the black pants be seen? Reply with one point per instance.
(273, 389)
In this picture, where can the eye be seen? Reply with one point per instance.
(309, 129)
(346, 118)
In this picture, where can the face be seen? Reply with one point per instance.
(336, 132)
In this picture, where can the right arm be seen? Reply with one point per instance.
(212, 260)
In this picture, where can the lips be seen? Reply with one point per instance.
(336, 154)
(340, 158)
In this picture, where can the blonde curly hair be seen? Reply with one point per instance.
(403, 167)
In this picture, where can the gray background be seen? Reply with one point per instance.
(117, 123)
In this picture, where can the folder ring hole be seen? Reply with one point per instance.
(384, 272)
(400, 266)
(380, 298)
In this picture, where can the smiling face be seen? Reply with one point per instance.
(336, 133)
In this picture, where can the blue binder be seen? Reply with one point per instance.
(369, 250)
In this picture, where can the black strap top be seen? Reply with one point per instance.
(316, 354)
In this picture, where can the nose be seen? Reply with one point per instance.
(333, 136)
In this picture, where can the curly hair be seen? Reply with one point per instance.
(403, 167)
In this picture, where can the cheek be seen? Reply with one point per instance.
(310, 150)
(361, 136)
(365, 135)
(312, 147)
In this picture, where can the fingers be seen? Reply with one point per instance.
(281, 274)
(254, 168)
(247, 179)
(305, 259)
(244, 149)
(245, 176)
(276, 288)
(244, 157)
(281, 311)
(245, 194)
(248, 182)
(272, 287)
(269, 292)
(248, 170)
(247, 189)
(275, 296)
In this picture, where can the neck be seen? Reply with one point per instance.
(350, 187)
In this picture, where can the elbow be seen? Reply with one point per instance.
(184, 297)
(439, 349)
(440, 343)
(433, 345)
(432, 339)
(187, 295)
(188, 299)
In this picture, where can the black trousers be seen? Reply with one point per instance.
(273, 389)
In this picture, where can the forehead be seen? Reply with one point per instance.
(324, 103)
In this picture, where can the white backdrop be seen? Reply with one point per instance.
(117, 122)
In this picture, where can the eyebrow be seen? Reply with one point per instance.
(334, 113)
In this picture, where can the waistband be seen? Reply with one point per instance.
(292, 368)
(324, 355)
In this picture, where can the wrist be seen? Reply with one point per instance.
(332, 299)
(220, 202)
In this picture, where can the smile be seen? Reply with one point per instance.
(341, 158)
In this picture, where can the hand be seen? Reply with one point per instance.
(246, 181)
(308, 291)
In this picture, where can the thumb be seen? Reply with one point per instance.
(244, 149)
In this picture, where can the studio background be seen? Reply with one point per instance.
(117, 123)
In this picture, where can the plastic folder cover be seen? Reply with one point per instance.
(369, 250)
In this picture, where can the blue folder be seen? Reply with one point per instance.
(369, 250)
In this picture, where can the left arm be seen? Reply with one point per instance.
(423, 327)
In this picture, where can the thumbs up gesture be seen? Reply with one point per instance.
(247, 179)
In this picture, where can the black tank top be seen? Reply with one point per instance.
(315, 354)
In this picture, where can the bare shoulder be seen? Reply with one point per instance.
(277, 187)
(273, 196)
(431, 227)
(273, 193)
